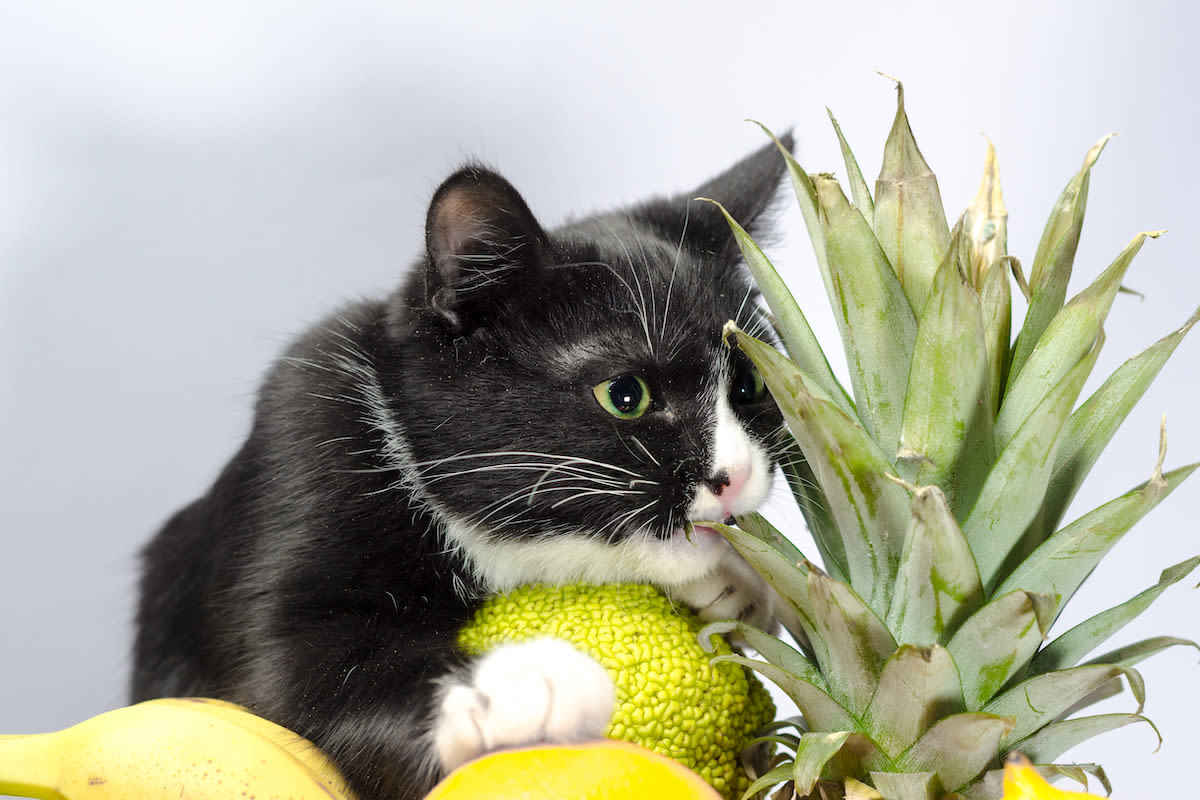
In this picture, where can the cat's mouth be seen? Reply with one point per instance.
(700, 535)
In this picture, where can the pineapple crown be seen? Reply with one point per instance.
(935, 490)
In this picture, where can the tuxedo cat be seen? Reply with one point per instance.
(530, 406)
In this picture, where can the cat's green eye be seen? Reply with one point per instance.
(748, 385)
(625, 397)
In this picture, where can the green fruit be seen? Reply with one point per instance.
(670, 697)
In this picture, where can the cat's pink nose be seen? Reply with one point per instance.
(727, 485)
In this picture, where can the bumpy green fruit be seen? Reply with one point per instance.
(670, 698)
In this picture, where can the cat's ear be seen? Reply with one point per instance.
(748, 190)
(479, 236)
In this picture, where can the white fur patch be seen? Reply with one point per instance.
(538, 691)
(742, 459)
(561, 557)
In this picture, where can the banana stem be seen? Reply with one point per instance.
(29, 766)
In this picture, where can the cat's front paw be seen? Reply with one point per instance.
(733, 590)
(539, 691)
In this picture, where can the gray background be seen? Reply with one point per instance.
(184, 186)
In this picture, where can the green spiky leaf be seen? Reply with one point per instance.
(790, 321)
(1054, 259)
(908, 785)
(937, 584)
(849, 465)
(958, 748)
(877, 323)
(997, 642)
(946, 437)
(1093, 424)
(1070, 648)
(1060, 565)
(909, 220)
(1039, 701)
(856, 642)
(1014, 490)
(918, 686)
(858, 185)
(1069, 336)
(1057, 738)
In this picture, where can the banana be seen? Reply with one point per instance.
(169, 748)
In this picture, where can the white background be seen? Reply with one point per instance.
(184, 186)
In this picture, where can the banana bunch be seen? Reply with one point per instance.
(173, 747)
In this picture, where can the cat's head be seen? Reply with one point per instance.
(568, 403)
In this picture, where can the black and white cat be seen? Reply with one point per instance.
(530, 406)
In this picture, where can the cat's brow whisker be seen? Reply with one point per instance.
(640, 299)
(687, 216)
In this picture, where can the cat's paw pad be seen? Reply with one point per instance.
(539, 691)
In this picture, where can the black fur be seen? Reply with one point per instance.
(314, 581)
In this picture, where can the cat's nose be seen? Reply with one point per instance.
(718, 482)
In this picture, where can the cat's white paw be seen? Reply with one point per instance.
(538, 691)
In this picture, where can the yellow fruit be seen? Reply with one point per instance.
(670, 698)
(1023, 782)
(606, 770)
(168, 748)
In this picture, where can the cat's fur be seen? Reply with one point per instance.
(414, 454)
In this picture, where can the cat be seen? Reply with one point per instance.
(530, 406)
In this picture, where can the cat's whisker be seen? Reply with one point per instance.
(687, 216)
(594, 492)
(548, 457)
(649, 455)
(640, 298)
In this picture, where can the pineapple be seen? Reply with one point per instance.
(935, 491)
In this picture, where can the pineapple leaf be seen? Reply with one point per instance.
(778, 774)
(1053, 260)
(908, 785)
(1061, 563)
(909, 220)
(790, 321)
(760, 528)
(997, 641)
(787, 575)
(918, 686)
(774, 650)
(848, 464)
(1070, 648)
(1059, 737)
(1093, 424)
(858, 185)
(814, 506)
(1041, 700)
(995, 300)
(877, 323)
(937, 584)
(958, 748)
(812, 754)
(810, 209)
(1133, 653)
(1016, 486)
(986, 223)
(946, 437)
(856, 642)
(820, 710)
(1067, 338)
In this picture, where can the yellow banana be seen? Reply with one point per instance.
(169, 748)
